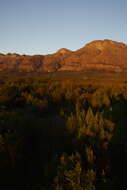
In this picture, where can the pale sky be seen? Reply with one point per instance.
(44, 26)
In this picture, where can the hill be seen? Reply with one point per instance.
(99, 55)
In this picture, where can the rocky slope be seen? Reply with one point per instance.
(101, 55)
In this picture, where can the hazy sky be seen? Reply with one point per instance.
(44, 26)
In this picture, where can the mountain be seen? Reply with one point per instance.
(100, 55)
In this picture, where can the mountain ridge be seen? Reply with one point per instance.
(103, 55)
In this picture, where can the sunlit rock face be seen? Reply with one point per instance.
(106, 55)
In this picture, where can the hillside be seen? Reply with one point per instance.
(100, 55)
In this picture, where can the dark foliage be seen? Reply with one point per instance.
(62, 135)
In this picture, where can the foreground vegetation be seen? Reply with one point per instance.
(63, 135)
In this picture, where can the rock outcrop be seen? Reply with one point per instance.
(103, 55)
